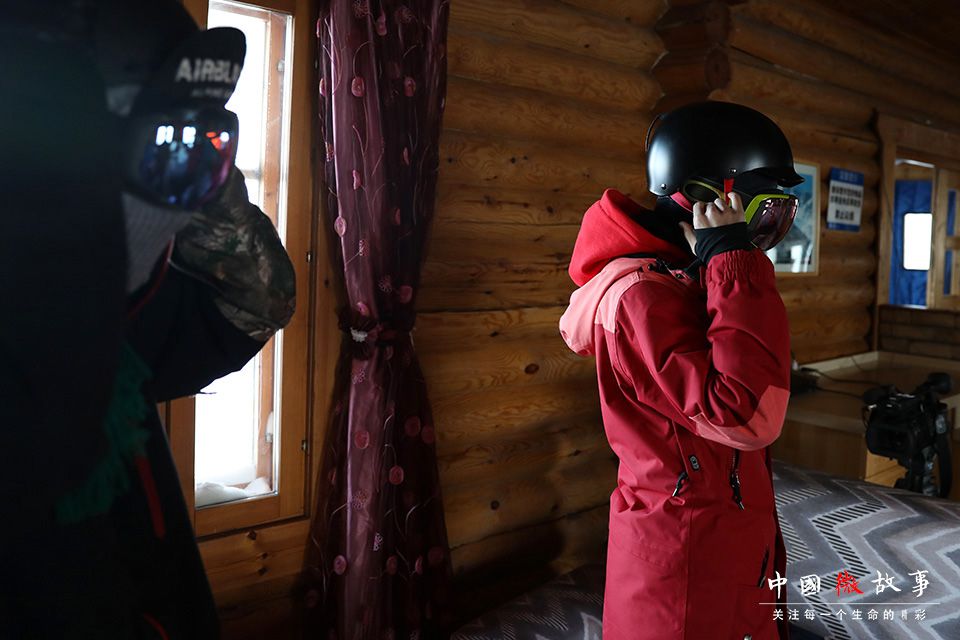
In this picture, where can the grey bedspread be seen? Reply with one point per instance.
(831, 525)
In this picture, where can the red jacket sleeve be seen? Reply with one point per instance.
(731, 382)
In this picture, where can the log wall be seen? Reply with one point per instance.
(822, 77)
(547, 105)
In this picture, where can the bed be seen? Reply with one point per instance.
(830, 525)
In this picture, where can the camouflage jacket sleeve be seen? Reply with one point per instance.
(233, 246)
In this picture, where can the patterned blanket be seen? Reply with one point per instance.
(878, 539)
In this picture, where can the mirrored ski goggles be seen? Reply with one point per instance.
(181, 158)
(769, 216)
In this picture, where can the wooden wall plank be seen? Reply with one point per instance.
(501, 457)
(752, 77)
(469, 203)
(563, 27)
(479, 510)
(503, 111)
(783, 48)
(835, 31)
(534, 361)
(812, 323)
(488, 58)
(483, 160)
(468, 241)
(465, 418)
(643, 14)
(446, 331)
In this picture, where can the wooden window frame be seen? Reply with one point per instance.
(903, 138)
(290, 497)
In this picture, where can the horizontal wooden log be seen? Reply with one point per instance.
(501, 457)
(693, 72)
(836, 240)
(495, 266)
(479, 160)
(466, 203)
(644, 13)
(561, 26)
(780, 47)
(464, 418)
(694, 26)
(497, 242)
(781, 86)
(849, 265)
(508, 61)
(829, 325)
(493, 564)
(481, 286)
(814, 21)
(827, 158)
(505, 112)
(778, 109)
(479, 510)
(509, 364)
(808, 133)
(814, 350)
(809, 292)
(449, 331)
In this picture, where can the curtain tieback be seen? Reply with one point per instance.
(365, 332)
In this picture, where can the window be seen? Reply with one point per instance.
(240, 445)
(917, 238)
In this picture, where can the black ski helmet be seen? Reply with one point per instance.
(716, 140)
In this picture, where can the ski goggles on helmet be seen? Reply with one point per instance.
(180, 157)
(769, 216)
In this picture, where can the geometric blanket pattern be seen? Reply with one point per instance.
(875, 537)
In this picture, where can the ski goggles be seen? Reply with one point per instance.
(769, 216)
(180, 157)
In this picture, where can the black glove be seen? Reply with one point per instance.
(714, 240)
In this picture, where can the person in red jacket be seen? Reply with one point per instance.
(679, 306)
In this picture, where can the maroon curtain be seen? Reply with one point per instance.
(378, 564)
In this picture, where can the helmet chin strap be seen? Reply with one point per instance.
(681, 200)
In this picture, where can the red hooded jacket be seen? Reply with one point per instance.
(694, 379)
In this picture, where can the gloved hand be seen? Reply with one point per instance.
(717, 227)
(233, 246)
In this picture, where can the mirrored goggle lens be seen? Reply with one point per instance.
(183, 161)
(772, 217)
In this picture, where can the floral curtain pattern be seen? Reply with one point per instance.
(378, 563)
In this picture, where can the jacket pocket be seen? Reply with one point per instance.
(653, 538)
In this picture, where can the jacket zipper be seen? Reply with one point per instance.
(685, 459)
(763, 567)
(735, 479)
(680, 479)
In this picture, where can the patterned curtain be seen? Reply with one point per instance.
(378, 563)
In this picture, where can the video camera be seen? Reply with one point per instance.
(915, 429)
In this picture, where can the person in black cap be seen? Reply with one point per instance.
(134, 270)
